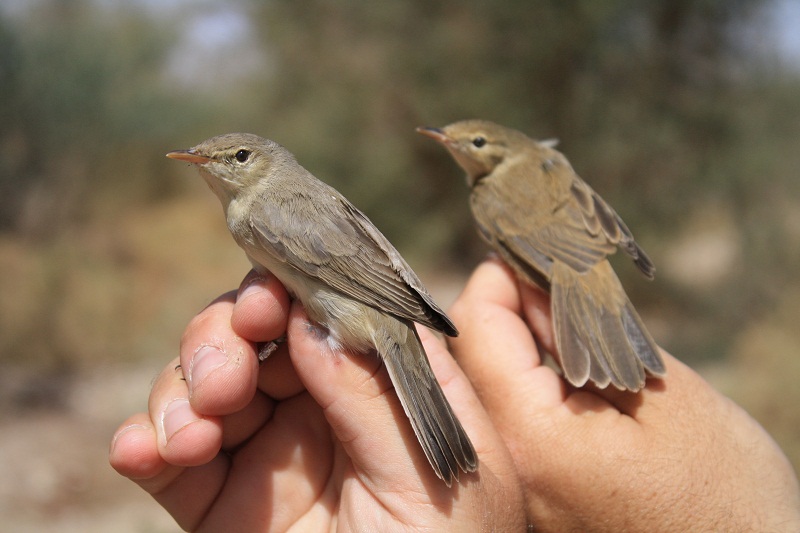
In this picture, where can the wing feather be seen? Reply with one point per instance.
(348, 253)
(582, 231)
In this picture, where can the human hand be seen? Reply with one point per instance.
(677, 456)
(311, 439)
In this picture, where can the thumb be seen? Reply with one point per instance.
(497, 350)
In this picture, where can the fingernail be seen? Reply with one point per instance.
(205, 360)
(177, 415)
(255, 284)
(121, 432)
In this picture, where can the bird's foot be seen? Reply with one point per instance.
(265, 349)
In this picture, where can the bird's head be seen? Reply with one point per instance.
(478, 146)
(234, 162)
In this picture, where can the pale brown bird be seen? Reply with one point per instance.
(348, 276)
(555, 231)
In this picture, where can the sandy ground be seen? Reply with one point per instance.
(54, 472)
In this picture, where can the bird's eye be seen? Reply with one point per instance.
(477, 142)
(242, 155)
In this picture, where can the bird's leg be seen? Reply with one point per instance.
(265, 349)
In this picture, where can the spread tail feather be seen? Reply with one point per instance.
(599, 335)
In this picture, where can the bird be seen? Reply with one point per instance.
(353, 283)
(556, 232)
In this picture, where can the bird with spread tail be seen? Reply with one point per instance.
(556, 232)
(351, 280)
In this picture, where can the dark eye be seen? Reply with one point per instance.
(478, 142)
(242, 155)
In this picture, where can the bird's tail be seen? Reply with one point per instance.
(446, 444)
(599, 335)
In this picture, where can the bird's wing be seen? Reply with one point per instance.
(604, 224)
(581, 230)
(348, 253)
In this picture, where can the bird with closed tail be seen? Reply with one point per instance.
(350, 279)
(556, 232)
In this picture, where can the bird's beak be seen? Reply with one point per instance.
(437, 134)
(189, 156)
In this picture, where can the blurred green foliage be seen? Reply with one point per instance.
(77, 100)
(662, 106)
(672, 110)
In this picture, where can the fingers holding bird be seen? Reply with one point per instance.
(357, 397)
(489, 313)
(346, 274)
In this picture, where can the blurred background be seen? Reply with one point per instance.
(684, 115)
